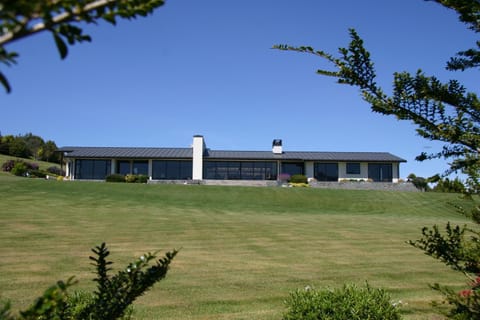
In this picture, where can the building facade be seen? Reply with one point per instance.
(199, 163)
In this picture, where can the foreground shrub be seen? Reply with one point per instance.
(298, 178)
(349, 302)
(112, 298)
(79, 300)
(115, 178)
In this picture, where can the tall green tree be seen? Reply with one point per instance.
(48, 152)
(23, 18)
(441, 111)
(34, 144)
(444, 112)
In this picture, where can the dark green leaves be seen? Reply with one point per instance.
(113, 297)
(115, 293)
(20, 19)
(61, 46)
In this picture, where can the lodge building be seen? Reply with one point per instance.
(198, 163)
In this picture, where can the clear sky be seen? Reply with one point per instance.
(207, 67)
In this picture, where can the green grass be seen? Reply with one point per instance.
(242, 249)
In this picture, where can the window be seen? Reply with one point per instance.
(140, 167)
(325, 171)
(292, 168)
(123, 167)
(353, 168)
(380, 172)
(171, 169)
(92, 169)
(236, 170)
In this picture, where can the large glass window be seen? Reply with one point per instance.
(292, 168)
(353, 168)
(325, 171)
(92, 169)
(171, 169)
(123, 167)
(140, 167)
(236, 170)
(380, 172)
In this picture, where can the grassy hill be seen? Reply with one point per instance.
(243, 249)
(42, 164)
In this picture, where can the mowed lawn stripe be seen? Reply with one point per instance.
(242, 249)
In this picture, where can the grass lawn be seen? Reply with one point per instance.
(242, 249)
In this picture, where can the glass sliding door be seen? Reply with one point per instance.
(292, 168)
(380, 172)
(171, 169)
(325, 171)
(93, 169)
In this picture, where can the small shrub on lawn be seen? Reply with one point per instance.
(19, 169)
(298, 178)
(349, 302)
(36, 174)
(283, 177)
(115, 178)
(8, 165)
(56, 171)
(141, 178)
(131, 178)
(301, 185)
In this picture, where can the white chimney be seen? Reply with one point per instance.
(277, 146)
(198, 150)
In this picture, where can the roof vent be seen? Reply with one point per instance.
(277, 146)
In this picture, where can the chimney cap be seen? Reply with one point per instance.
(277, 142)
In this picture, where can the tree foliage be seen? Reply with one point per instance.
(29, 146)
(23, 18)
(442, 111)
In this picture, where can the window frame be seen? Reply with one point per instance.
(353, 168)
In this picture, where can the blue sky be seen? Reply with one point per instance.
(207, 67)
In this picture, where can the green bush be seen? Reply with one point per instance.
(36, 174)
(141, 178)
(131, 178)
(348, 302)
(298, 178)
(79, 300)
(115, 178)
(19, 169)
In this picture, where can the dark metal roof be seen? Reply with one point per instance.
(186, 153)
(304, 156)
(127, 153)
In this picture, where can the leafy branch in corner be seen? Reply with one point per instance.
(112, 297)
(443, 112)
(23, 18)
